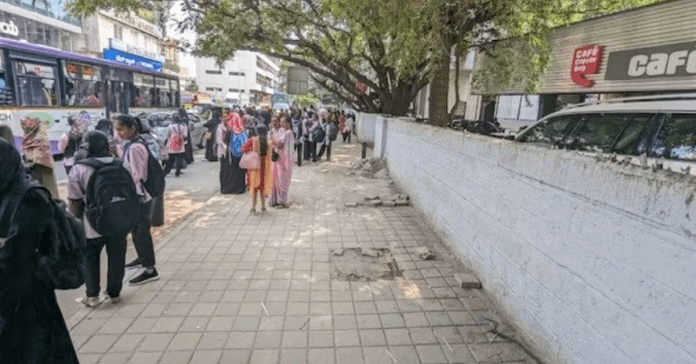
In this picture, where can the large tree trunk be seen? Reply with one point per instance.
(439, 88)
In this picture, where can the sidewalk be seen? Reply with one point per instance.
(238, 288)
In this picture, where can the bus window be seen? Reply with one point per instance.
(144, 87)
(5, 92)
(36, 84)
(163, 99)
(83, 86)
(175, 92)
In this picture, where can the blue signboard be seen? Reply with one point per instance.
(132, 60)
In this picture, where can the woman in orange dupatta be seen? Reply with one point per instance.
(261, 179)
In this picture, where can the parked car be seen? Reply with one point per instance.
(661, 129)
(477, 126)
(159, 122)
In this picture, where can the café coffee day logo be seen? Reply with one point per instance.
(586, 61)
(672, 60)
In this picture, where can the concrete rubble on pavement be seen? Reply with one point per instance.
(241, 288)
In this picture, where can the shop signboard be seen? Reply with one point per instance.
(132, 60)
(673, 60)
(586, 61)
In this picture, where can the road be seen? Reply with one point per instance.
(184, 195)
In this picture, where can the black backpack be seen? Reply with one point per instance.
(155, 174)
(333, 131)
(319, 134)
(111, 201)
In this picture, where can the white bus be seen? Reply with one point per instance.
(44, 82)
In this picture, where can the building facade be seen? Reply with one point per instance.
(41, 22)
(643, 51)
(125, 37)
(249, 77)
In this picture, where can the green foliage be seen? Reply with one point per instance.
(172, 66)
(306, 100)
(193, 86)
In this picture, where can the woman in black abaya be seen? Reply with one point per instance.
(32, 330)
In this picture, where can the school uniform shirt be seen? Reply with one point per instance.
(136, 156)
(77, 190)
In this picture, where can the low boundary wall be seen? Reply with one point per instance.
(594, 262)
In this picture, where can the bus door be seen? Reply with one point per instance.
(119, 91)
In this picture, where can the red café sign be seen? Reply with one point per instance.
(586, 61)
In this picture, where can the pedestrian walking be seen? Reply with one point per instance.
(188, 145)
(260, 179)
(101, 192)
(177, 133)
(210, 142)
(231, 137)
(32, 227)
(107, 127)
(136, 156)
(70, 141)
(324, 134)
(37, 154)
(283, 141)
(348, 130)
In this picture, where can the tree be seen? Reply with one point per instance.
(383, 44)
(192, 87)
(393, 47)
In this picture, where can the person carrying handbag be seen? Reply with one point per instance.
(261, 178)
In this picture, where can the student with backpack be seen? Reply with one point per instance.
(149, 182)
(102, 192)
(177, 133)
(328, 132)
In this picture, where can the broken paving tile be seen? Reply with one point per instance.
(401, 203)
(370, 252)
(424, 253)
(351, 204)
(375, 203)
(371, 197)
(338, 252)
(467, 280)
(389, 204)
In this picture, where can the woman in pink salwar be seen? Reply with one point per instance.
(283, 140)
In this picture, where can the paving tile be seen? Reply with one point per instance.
(246, 323)
(155, 342)
(377, 355)
(145, 358)
(347, 337)
(127, 343)
(344, 322)
(404, 354)
(167, 324)
(397, 337)
(369, 321)
(349, 355)
(206, 356)
(116, 358)
(392, 321)
(89, 358)
(423, 335)
(116, 325)
(99, 344)
(240, 340)
(295, 339)
(176, 357)
(431, 354)
(374, 337)
(195, 324)
(213, 341)
(497, 352)
(267, 339)
(321, 356)
(185, 341)
(293, 356)
(264, 356)
(321, 338)
(234, 357)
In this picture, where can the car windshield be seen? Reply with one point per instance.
(160, 120)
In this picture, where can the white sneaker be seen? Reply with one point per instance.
(91, 301)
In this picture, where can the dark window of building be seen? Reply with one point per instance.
(213, 72)
(264, 80)
(36, 84)
(237, 74)
(232, 90)
(118, 31)
(676, 138)
(83, 86)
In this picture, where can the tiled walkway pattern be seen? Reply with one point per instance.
(237, 288)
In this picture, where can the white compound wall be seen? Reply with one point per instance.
(593, 262)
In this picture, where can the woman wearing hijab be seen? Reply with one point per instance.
(210, 143)
(37, 154)
(231, 136)
(188, 152)
(32, 330)
(70, 142)
(283, 140)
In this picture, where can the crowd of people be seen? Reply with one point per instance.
(277, 142)
(114, 182)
